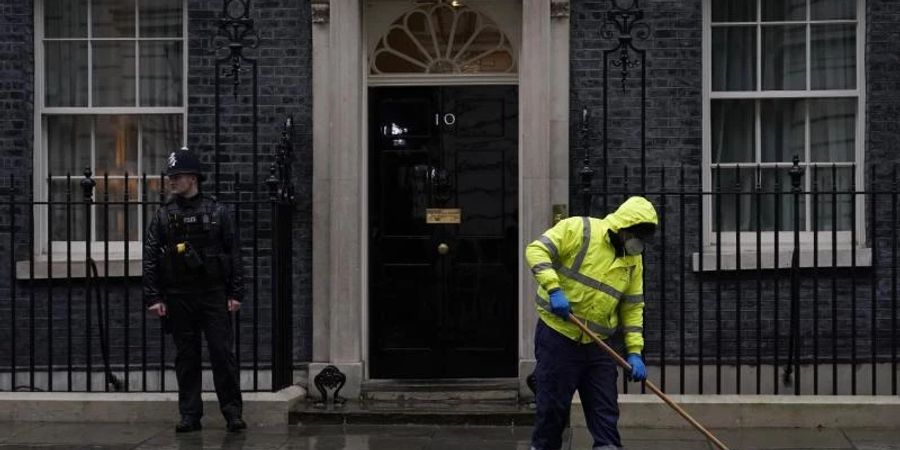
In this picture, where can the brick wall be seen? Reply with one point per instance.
(674, 134)
(16, 135)
(283, 87)
(674, 138)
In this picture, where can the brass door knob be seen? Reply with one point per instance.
(443, 248)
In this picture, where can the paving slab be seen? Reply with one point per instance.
(874, 439)
(418, 437)
(85, 434)
(10, 429)
(784, 438)
(736, 439)
(263, 438)
(636, 439)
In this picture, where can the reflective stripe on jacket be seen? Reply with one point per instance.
(577, 256)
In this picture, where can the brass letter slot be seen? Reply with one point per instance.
(443, 215)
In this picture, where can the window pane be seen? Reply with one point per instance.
(784, 57)
(783, 10)
(65, 18)
(734, 58)
(833, 207)
(833, 50)
(772, 208)
(735, 198)
(68, 144)
(116, 145)
(114, 78)
(151, 191)
(734, 11)
(161, 135)
(777, 202)
(732, 131)
(832, 9)
(832, 129)
(110, 211)
(66, 73)
(161, 73)
(782, 129)
(112, 18)
(160, 18)
(67, 211)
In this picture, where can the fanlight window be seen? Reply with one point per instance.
(443, 38)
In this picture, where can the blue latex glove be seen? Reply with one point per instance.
(559, 304)
(638, 370)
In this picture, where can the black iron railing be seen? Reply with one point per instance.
(72, 316)
(760, 284)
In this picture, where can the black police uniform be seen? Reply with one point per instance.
(192, 264)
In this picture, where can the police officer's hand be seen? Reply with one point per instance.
(233, 305)
(559, 304)
(159, 309)
(638, 370)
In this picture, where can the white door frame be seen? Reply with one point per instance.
(340, 212)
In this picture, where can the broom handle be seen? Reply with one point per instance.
(652, 387)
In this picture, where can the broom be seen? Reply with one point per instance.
(652, 387)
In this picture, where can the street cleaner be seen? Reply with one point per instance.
(593, 269)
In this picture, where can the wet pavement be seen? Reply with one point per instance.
(417, 437)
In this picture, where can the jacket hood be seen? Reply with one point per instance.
(635, 210)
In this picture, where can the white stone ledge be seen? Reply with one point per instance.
(747, 411)
(729, 260)
(260, 408)
(60, 267)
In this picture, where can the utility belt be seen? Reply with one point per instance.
(188, 265)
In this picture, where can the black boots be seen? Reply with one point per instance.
(235, 424)
(188, 425)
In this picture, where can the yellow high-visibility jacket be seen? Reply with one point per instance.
(577, 256)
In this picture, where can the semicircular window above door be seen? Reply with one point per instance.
(443, 37)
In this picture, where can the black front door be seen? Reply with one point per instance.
(443, 291)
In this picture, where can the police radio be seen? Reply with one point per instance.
(191, 258)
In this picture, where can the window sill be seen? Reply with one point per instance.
(729, 260)
(60, 267)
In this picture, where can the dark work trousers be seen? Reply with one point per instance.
(563, 366)
(192, 315)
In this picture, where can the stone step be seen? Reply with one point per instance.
(442, 390)
(492, 401)
(421, 413)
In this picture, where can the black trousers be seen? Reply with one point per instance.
(205, 313)
(564, 366)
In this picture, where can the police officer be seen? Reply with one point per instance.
(193, 280)
(591, 268)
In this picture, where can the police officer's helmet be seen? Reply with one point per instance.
(184, 161)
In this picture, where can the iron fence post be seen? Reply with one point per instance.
(87, 191)
(796, 174)
(281, 200)
(277, 366)
(586, 173)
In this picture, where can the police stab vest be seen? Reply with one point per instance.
(194, 255)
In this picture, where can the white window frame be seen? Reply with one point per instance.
(785, 238)
(116, 249)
